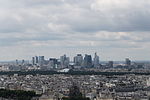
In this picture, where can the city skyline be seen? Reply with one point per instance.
(114, 29)
(95, 56)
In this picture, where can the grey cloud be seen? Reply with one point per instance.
(75, 24)
(131, 18)
(82, 19)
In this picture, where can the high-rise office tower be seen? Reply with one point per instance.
(52, 63)
(33, 60)
(54, 60)
(23, 62)
(78, 60)
(87, 61)
(41, 60)
(64, 61)
(128, 62)
(110, 64)
(96, 60)
(17, 62)
(36, 60)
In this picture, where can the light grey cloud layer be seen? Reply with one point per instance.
(115, 29)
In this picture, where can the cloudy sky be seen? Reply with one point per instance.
(115, 29)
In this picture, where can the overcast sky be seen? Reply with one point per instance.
(115, 29)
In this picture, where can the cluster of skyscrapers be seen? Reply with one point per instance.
(64, 61)
(79, 61)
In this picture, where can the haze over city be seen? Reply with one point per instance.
(115, 29)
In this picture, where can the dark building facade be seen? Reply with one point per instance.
(87, 61)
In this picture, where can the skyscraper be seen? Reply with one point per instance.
(78, 60)
(128, 62)
(110, 64)
(41, 60)
(33, 61)
(52, 63)
(64, 61)
(87, 61)
(96, 60)
(17, 62)
(23, 62)
(36, 59)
